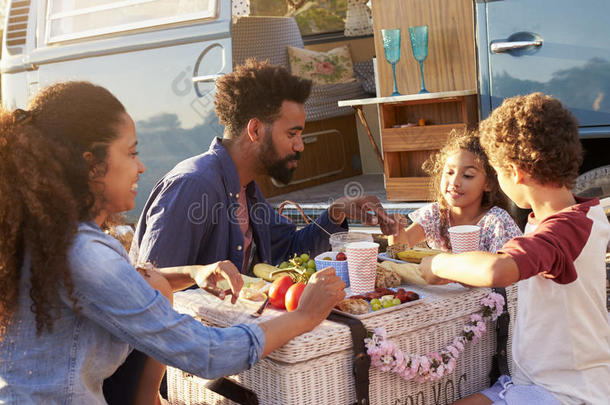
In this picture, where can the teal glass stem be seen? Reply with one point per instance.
(423, 84)
(419, 45)
(396, 93)
(391, 47)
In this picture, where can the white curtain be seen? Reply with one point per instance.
(241, 8)
(358, 21)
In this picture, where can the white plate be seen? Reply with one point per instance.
(421, 294)
(384, 257)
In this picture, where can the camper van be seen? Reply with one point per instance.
(161, 58)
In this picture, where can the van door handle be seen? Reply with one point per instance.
(206, 78)
(500, 47)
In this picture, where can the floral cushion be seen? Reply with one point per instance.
(334, 66)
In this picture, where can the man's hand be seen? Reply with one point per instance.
(425, 268)
(207, 276)
(367, 209)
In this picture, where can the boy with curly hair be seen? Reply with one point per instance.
(561, 337)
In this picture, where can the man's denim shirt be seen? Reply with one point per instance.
(190, 218)
(118, 311)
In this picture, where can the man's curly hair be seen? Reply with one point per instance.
(256, 90)
(44, 189)
(538, 135)
(469, 141)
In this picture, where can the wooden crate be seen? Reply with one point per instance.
(316, 367)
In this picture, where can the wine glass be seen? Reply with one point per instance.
(391, 46)
(419, 44)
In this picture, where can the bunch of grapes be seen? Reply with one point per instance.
(300, 266)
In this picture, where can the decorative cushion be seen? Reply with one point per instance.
(334, 66)
(365, 73)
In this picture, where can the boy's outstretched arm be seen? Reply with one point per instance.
(478, 269)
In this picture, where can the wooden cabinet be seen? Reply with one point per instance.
(451, 62)
(405, 148)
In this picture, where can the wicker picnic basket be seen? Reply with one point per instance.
(316, 367)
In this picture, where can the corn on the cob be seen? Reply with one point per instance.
(416, 255)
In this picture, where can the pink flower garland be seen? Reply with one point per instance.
(433, 366)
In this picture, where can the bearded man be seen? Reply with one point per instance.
(209, 209)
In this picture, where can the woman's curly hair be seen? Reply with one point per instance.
(256, 90)
(469, 141)
(536, 133)
(44, 184)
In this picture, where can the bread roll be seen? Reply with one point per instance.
(387, 278)
(356, 306)
(409, 272)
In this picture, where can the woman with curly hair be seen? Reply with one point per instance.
(467, 193)
(72, 306)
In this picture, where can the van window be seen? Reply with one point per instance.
(319, 17)
(74, 19)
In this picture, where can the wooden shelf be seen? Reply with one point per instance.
(417, 138)
(406, 148)
(408, 188)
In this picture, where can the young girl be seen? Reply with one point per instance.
(467, 193)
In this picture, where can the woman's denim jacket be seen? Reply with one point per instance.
(117, 311)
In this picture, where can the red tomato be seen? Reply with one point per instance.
(341, 257)
(293, 295)
(277, 291)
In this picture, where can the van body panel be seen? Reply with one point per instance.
(150, 72)
(572, 63)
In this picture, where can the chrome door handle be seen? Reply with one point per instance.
(207, 78)
(500, 47)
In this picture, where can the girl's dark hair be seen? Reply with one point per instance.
(44, 188)
(469, 141)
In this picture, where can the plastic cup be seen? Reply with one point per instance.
(340, 266)
(464, 238)
(362, 265)
(340, 239)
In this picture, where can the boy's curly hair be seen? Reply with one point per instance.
(536, 133)
(256, 90)
(469, 141)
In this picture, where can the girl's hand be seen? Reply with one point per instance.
(367, 209)
(425, 269)
(324, 290)
(401, 237)
(207, 276)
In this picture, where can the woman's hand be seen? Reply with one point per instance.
(209, 275)
(324, 290)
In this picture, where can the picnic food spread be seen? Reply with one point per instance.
(285, 283)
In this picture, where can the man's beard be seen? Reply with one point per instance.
(275, 166)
